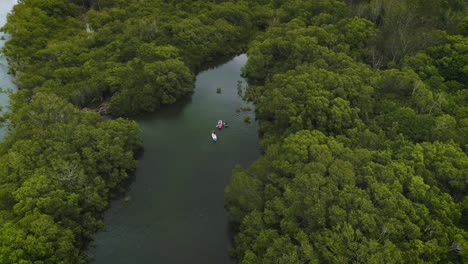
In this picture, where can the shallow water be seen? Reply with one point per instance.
(175, 211)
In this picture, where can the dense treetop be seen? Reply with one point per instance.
(61, 162)
(138, 55)
(361, 103)
(363, 118)
(58, 169)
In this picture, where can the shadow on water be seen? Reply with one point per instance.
(210, 65)
(167, 111)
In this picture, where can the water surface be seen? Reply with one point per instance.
(5, 80)
(175, 213)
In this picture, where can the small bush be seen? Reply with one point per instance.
(245, 108)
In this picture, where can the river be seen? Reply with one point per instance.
(173, 212)
(5, 79)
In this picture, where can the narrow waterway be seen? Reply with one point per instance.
(174, 212)
(5, 80)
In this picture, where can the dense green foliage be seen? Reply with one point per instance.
(138, 55)
(60, 165)
(364, 123)
(362, 109)
(58, 168)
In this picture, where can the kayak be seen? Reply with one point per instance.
(214, 137)
(220, 124)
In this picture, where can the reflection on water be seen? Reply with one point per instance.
(240, 60)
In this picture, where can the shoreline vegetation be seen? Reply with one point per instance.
(361, 105)
(61, 162)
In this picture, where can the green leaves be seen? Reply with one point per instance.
(37, 238)
(360, 165)
(363, 209)
(159, 82)
(243, 195)
(374, 193)
(136, 55)
(59, 166)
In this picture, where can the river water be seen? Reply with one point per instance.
(5, 79)
(174, 212)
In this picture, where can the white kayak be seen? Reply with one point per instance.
(214, 137)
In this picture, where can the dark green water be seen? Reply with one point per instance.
(175, 213)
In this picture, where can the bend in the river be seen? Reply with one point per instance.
(174, 210)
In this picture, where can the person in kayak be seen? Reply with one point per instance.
(214, 136)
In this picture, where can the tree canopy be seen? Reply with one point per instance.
(58, 168)
(361, 105)
(362, 113)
